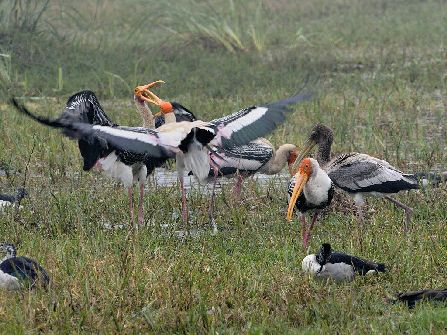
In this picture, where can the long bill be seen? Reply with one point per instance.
(308, 146)
(301, 180)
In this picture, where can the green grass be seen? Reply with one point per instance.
(378, 68)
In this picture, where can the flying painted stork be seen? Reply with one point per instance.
(20, 272)
(338, 265)
(7, 200)
(359, 174)
(187, 140)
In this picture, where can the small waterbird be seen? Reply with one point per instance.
(338, 265)
(18, 272)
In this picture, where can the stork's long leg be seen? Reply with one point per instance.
(140, 205)
(408, 211)
(361, 224)
(213, 194)
(303, 228)
(238, 185)
(184, 206)
(130, 194)
(306, 237)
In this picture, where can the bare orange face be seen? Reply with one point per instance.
(291, 160)
(302, 176)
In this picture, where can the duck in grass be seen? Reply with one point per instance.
(19, 272)
(7, 200)
(337, 265)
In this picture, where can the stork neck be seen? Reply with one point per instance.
(170, 117)
(324, 152)
(145, 113)
(279, 159)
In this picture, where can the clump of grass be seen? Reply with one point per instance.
(237, 28)
(22, 15)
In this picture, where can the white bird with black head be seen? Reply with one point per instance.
(338, 265)
(19, 272)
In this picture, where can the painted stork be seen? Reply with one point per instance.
(187, 140)
(7, 200)
(337, 265)
(256, 156)
(20, 272)
(310, 190)
(360, 174)
(412, 297)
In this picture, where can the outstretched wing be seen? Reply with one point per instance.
(253, 122)
(135, 140)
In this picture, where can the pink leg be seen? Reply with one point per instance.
(130, 193)
(97, 166)
(308, 233)
(238, 186)
(184, 206)
(140, 205)
(213, 194)
(303, 228)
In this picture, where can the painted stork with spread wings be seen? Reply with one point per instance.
(187, 140)
(244, 160)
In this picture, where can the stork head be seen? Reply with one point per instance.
(305, 170)
(320, 134)
(8, 250)
(292, 154)
(142, 93)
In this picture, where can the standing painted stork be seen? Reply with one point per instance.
(187, 140)
(258, 156)
(310, 190)
(7, 200)
(360, 174)
(338, 265)
(20, 272)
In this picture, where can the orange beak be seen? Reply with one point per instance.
(143, 92)
(301, 180)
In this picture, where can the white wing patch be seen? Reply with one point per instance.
(131, 135)
(238, 123)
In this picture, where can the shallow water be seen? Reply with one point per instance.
(166, 178)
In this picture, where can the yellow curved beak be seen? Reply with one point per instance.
(301, 180)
